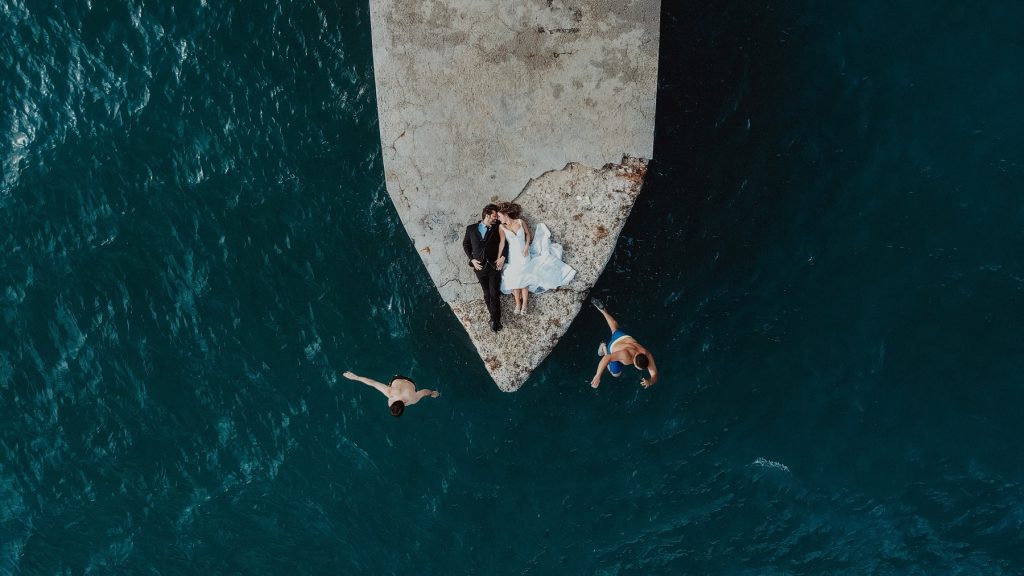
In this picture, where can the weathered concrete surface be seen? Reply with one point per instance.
(587, 206)
(476, 98)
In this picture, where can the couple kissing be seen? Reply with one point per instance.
(508, 258)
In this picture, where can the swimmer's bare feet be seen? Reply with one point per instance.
(598, 303)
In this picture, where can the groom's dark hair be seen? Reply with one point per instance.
(489, 209)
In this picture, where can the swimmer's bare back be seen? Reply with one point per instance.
(400, 390)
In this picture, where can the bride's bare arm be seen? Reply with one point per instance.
(501, 242)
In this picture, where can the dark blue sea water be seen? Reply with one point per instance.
(827, 260)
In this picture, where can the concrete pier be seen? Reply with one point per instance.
(544, 102)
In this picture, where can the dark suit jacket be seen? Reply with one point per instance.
(483, 249)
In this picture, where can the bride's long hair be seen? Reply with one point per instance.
(511, 209)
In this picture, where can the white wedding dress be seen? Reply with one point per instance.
(541, 269)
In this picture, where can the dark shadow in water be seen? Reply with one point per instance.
(706, 204)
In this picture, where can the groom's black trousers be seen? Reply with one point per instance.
(490, 281)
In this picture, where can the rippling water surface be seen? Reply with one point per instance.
(827, 262)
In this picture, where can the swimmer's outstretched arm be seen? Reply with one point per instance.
(382, 388)
(420, 394)
(600, 368)
(653, 369)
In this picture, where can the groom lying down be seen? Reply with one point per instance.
(622, 349)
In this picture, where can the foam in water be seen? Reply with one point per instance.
(765, 463)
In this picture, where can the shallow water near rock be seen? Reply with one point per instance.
(825, 261)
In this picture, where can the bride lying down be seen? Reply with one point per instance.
(534, 263)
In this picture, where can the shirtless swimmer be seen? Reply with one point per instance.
(622, 349)
(401, 392)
